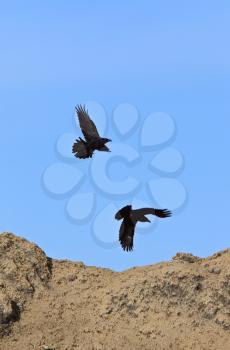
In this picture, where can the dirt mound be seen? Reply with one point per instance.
(24, 268)
(48, 304)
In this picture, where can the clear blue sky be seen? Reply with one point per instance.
(169, 56)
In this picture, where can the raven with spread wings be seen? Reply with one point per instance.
(85, 148)
(130, 218)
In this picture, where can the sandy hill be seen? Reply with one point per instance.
(48, 304)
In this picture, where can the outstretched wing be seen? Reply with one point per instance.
(87, 126)
(139, 214)
(80, 150)
(162, 213)
(126, 235)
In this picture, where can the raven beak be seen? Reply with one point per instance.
(118, 216)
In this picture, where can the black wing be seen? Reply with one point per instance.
(87, 126)
(80, 150)
(126, 235)
(139, 214)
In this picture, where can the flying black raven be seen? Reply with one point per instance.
(130, 218)
(85, 148)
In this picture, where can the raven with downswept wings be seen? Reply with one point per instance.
(85, 148)
(130, 218)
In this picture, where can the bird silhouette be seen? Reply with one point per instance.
(85, 148)
(130, 218)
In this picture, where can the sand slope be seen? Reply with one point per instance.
(48, 304)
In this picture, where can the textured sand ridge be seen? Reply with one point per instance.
(47, 304)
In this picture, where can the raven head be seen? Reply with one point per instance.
(124, 212)
(104, 148)
(105, 140)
